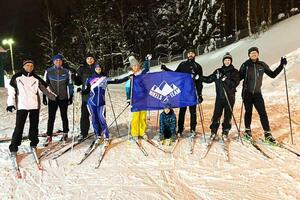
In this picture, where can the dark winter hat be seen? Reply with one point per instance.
(227, 55)
(89, 54)
(168, 105)
(27, 61)
(57, 57)
(191, 50)
(253, 49)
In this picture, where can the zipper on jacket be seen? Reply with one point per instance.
(58, 81)
(254, 78)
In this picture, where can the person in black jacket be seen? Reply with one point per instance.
(252, 72)
(83, 73)
(226, 79)
(189, 66)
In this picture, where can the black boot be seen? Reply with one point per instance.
(225, 134)
(213, 135)
(248, 134)
(269, 138)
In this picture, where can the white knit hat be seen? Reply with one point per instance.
(133, 61)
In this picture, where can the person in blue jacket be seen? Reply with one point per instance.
(59, 80)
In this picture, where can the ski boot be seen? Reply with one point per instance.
(133, 139)
(48, 141)
(225, 134)
(192, 134)
(173, 137)
(98, 140)
(269, 138)
(179, 134)
(106, 142)
(213, 135)
(248, 134)
(80, 138)
(144, 137)
(64, 138)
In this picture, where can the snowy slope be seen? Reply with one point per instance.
(127, 174)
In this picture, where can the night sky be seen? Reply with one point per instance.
(21, 20)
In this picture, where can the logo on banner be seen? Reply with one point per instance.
(164, 91)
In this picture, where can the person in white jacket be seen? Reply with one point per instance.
(23, 96)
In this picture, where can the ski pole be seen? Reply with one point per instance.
(157, 117)
(202, 120)
(119, 114)
(239, 134)
(241, 115)
(112, 107)
(288, 104)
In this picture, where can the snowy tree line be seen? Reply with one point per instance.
(113, 29)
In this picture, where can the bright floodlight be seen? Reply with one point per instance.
(8, 41)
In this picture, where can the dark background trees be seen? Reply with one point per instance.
(114, 29)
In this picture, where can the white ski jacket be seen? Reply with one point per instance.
(23, 91)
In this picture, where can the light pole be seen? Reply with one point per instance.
(10, 42)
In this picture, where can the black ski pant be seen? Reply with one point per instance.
(259, 104)
(193, 121)
(20, 123)
(220, 105)
(52, 108)
(166, 134)
(84, 119)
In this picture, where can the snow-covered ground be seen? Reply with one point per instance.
(126, 173)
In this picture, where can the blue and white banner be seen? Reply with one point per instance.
(152, 91)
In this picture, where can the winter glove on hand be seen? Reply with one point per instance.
(78, 90)
(73, 77)
(195, 77)
(10, 108)
(130, 73)
(223, 78)
(149, 57)
(163, 67)
(128, 101)
(283, 61)
(200, 99)
(70, 100)
(45, 100)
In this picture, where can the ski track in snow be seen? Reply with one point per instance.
(125, 173)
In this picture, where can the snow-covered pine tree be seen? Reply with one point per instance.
(186, 23)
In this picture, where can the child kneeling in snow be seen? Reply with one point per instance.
(167, 124)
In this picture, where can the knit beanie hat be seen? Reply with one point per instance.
(253, 49)
(191, 50)
(57, 57)
(133, 61)
(89, 54)
(27, 61)
(168, 105)
(227, 55)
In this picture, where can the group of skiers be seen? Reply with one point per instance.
(58, 88)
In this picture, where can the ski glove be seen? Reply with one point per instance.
(149, 57)
(283, 61)
(223, 78)
(45, 100)
(163, 67)
(10, 108)
(200, 99)
(70, 100)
